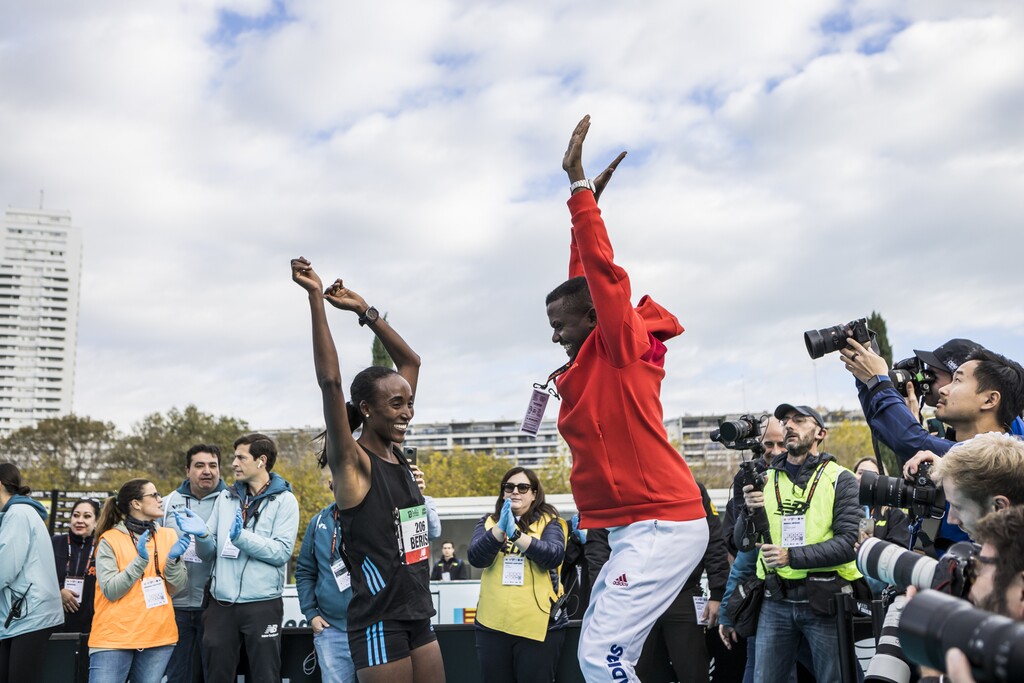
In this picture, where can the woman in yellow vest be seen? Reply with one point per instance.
(519, 624)
(138, 568)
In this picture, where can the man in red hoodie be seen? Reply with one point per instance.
(626, 476)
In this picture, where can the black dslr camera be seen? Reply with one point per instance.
(933, 623)
(912, 370)
(922, 497)
(829, 339)
(741, 434)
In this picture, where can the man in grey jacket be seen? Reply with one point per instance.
(197, 493)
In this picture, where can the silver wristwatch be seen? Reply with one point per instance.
(581, 183)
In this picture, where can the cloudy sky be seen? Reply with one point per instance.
(790, 167)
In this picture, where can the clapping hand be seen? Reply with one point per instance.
(508, 520)
(506, 516)
(179, 548)
(190, 523)
(236, 526)
(141, 546)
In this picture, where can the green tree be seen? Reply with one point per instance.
(462, 473)
(61, 452)
(381, 357)
(158, 442)
(309, 484)
(555, 474)
(876, 323)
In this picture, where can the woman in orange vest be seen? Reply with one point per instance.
(520, 623)
(138, 568)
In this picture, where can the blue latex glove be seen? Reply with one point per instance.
(236, 528)
(179, 548)
(505, 517)
(191, 523)
(141, 546)
(510, 521)
(580, 534)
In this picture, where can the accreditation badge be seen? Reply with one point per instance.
(154, 592)
(513, 570)
(794, 531)
(341, 575)
(76, 586)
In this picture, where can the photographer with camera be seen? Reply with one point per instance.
(939, 631)
(812, 507)
(983, 475)
(986, 394)
(771, 444)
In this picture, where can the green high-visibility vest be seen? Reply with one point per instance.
(818, 517)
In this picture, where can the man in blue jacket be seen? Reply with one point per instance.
(992, 402)
(325, 589)
(197, 493)
(251, 536)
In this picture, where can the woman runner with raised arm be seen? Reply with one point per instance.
(383, 517)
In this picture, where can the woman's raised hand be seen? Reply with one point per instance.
(305, 276)
(341, 297)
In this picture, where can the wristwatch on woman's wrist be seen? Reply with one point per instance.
(369, 317)
(515, 535)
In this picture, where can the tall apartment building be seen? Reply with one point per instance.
(40, 266)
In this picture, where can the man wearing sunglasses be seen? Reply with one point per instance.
(626, 476)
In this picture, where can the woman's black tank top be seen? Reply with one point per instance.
(386, 582)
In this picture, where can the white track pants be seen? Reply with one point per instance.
(649, 563)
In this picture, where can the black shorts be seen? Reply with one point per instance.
(388, 641)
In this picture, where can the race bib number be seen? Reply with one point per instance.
(512, 570)
(413, 541)
(230, 550)
(154, 592)
(76, 586)
(794, 531)
(190, 554)
(341, 575)
(535, 412)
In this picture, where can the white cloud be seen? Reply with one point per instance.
(787, 170)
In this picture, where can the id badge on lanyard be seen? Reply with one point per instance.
(154, 592)
(539, 402)
(411, 530)
(341, 575)
(76, 586)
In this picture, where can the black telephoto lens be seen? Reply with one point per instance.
(735, 430)
(933, 623)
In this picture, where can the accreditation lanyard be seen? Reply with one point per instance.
(156, 551)
(334, 537)
(88, 560)
(807, 503)
(554, 375)
(249, 500)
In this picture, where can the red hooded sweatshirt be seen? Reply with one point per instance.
(624, 469)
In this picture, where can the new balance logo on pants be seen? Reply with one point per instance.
(271, 631)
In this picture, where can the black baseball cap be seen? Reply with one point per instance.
(950, 355)
(781, 411)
